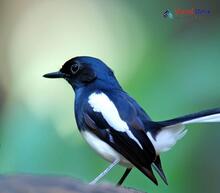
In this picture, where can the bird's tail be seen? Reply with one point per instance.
(166, 133)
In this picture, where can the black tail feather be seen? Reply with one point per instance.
(158, 168)
(189, 117)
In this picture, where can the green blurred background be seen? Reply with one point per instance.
(171, 66)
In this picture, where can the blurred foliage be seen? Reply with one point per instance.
(170, 66)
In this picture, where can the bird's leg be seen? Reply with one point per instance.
(127, 171)
(105, 171)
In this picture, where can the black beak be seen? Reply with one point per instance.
(54, 75)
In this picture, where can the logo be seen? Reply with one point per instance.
(168, 14)
(192, 11)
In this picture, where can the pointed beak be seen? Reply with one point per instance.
(54, 75)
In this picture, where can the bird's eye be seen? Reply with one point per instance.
(74, 68)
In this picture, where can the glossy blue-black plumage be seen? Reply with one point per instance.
(129, 112)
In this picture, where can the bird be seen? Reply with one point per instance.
(116, 126)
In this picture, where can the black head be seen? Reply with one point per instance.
(83, 70)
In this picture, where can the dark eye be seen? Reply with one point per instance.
(74, 68)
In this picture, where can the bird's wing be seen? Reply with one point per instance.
(114, 120)
(149, 126)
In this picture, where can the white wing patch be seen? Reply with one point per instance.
(167, 137)
(102, 104)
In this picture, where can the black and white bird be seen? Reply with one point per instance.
(115, 125)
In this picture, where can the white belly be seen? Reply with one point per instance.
(103, 149)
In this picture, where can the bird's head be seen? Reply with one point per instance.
(83, 70)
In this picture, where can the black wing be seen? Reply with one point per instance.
(140, 156)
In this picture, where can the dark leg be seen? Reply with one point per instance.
(127, 171)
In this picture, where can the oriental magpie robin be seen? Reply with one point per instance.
(115, 125)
